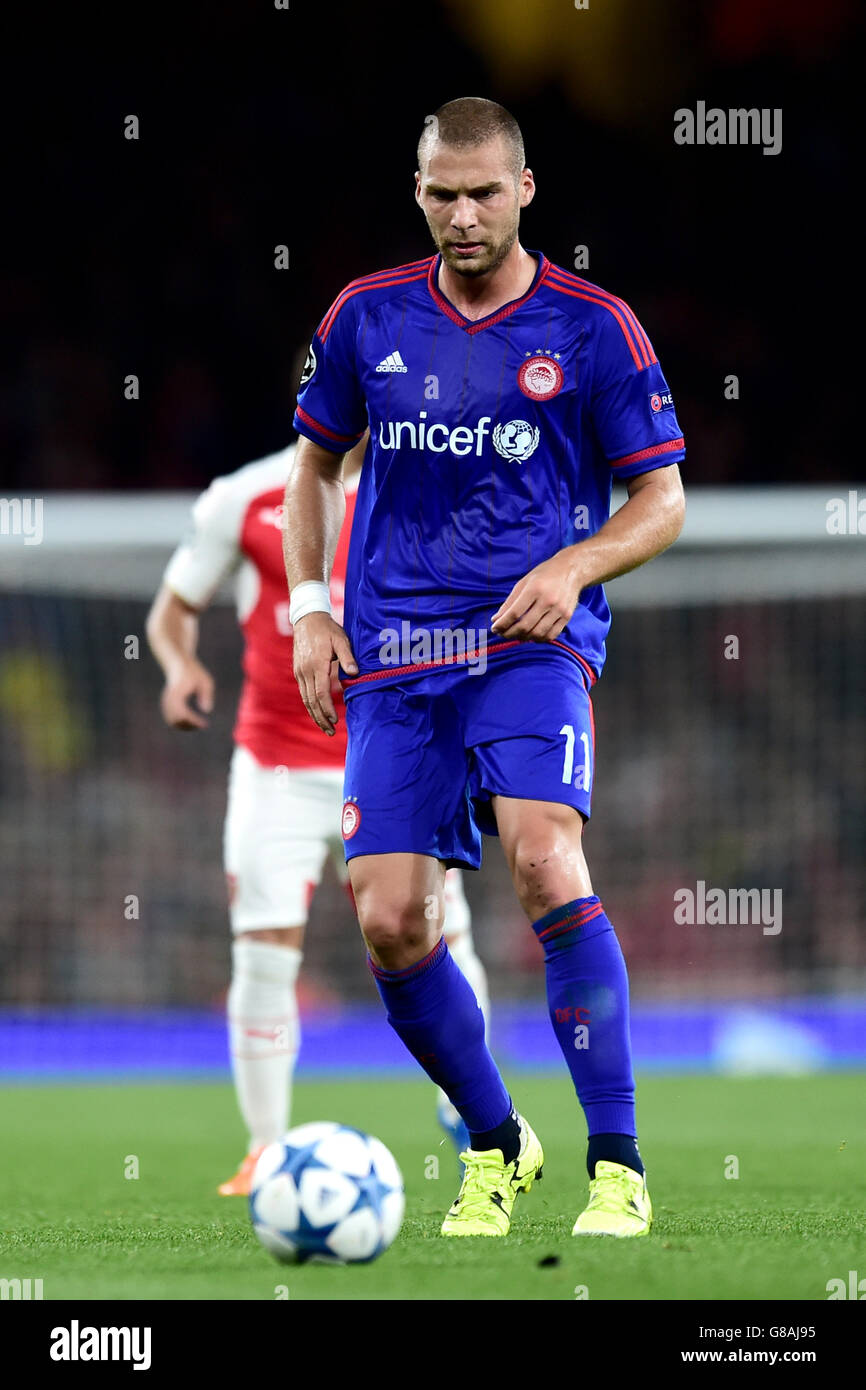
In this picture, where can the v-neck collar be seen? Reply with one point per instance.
(475, 325)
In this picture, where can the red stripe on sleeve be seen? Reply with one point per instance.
(653, 452)
(349, 293)
(605, 297)
(637, 358)
(372, 279)
(329, 434)
(633, 319)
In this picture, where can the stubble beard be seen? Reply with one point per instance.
(491, 258)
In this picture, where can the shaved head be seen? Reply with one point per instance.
(470, 121)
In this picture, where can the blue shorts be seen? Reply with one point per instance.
(427, 752)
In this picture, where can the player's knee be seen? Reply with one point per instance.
(543, 869)
(392, 922)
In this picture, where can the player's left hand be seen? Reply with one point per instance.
(542, 602)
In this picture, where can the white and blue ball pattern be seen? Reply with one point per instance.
(326, 1192)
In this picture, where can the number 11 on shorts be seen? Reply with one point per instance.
(581, 778)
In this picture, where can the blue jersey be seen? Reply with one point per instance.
(493, 445)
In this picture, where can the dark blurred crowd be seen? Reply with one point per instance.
(154, 257)
(740, 774)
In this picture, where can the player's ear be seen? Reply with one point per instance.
(527, 187)
(418, 187)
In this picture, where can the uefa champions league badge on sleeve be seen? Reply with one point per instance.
(540, 377)
(309, 366)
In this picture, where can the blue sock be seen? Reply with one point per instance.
(433, 1010)
(587, 994)
(615, 1148)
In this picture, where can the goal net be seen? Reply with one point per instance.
(729, 806)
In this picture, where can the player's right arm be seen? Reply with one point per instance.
(331, 418)
(172, 633)
(206, 556)
(315, 506)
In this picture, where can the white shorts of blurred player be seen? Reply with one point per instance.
(281, 825)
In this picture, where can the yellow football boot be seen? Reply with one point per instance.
(490, 1185)
(619, 1204)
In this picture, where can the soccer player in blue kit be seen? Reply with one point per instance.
(503, 394)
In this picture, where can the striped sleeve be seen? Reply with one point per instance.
(632, 406)
(331, 409)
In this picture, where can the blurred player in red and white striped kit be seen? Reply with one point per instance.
(285, 792)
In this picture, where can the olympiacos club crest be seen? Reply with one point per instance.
(351, 818)
(540, 377)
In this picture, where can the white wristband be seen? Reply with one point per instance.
(311, 596)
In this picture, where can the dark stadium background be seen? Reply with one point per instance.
(155, 257)
(261, 127)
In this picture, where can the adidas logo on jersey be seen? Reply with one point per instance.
(392, 363)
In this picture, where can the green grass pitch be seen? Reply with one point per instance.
(794, 1218)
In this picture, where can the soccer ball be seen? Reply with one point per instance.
(326, 1192)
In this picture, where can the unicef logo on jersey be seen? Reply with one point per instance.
(513, 439)
(516, 440)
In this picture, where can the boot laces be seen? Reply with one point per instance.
(475, 1193)
(609, 1192)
